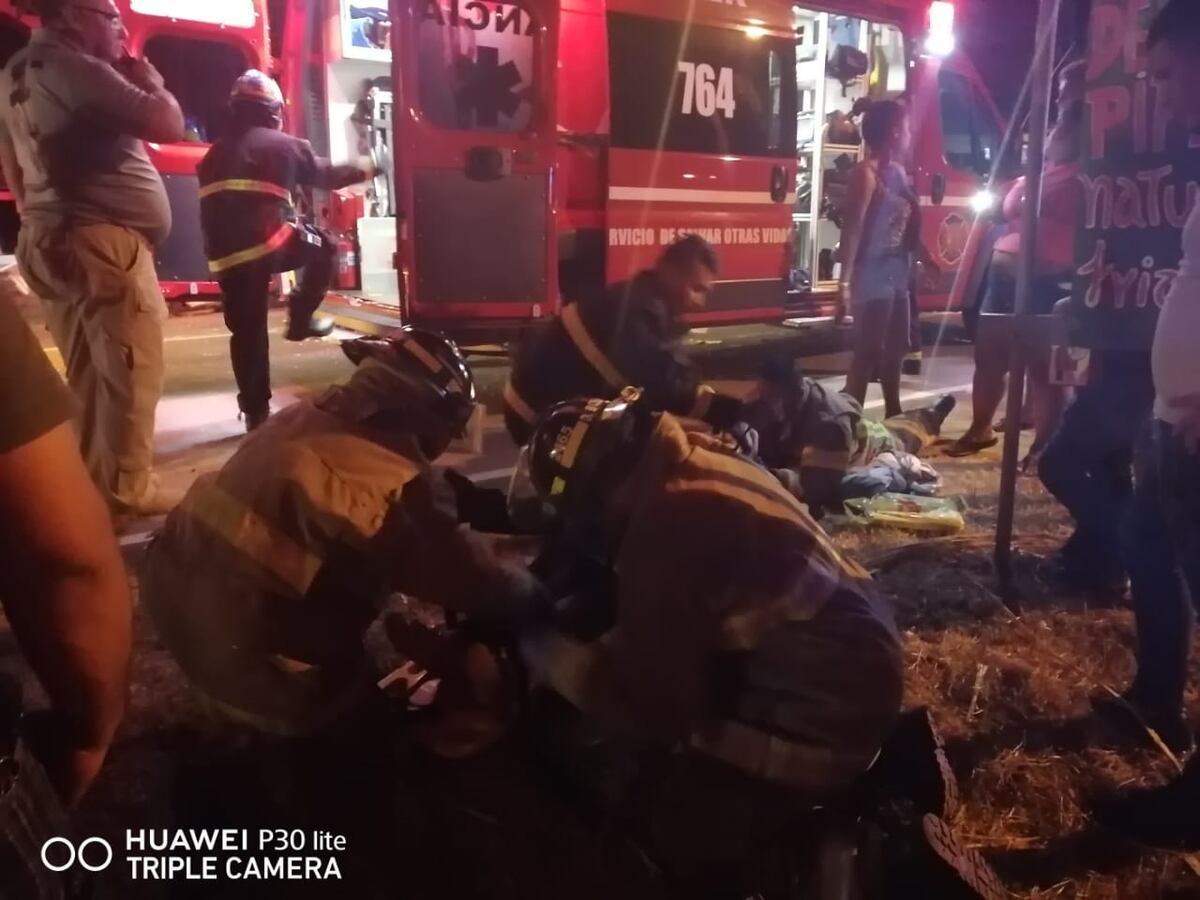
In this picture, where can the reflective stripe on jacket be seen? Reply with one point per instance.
(741, 630)
(600, 345)
(281, 554)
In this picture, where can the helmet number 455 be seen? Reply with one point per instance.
(705, 90)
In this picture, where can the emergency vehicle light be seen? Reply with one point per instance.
(940, 40)
(755, 30)
(229, 13)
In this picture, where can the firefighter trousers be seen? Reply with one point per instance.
(105, 310)
(247, 290)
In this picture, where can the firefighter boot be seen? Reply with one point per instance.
(314, 327)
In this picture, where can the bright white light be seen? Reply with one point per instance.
(940, 44)
(754, 32)
(688, 176)
(232, 13)
(983, 202)
(940, 41)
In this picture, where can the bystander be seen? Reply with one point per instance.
(1163, 539)
(71, 142)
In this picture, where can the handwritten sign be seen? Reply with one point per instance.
(1140, 178)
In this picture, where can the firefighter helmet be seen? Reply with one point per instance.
(257, 88)
(425, 361)
(581, 449)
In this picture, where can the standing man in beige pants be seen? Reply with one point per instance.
(74, 112)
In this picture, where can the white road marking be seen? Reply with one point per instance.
(922, 395)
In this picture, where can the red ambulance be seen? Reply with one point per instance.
(545, 148)
(200, 46)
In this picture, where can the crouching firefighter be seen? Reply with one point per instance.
(760, 662)
(813, 437)
(264, 580)
(251, 231)
(629, 335)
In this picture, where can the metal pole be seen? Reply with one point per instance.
(1039, 118)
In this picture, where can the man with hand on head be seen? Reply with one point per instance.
(93, 207)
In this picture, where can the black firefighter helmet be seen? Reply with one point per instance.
(418, 364)
(581, 450)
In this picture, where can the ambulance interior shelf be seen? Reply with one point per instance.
(842, 63)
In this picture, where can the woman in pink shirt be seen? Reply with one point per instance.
(1062, 200)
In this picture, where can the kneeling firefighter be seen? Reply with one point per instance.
(251, 231)
(754, 664)
(631, 334)
(264, 580)
(814, 437)
(735, 619)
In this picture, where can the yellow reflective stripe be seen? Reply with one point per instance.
(517, 404)
(250, 254)
(246, 186)
(704, 398)
(587, 348)
(574, 442)
(254, 536)
(818, 458)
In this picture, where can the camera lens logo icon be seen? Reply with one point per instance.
(94, 854)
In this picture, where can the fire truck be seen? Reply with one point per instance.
(542, 149)
(200, 48)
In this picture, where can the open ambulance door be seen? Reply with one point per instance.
(474, 138)
(703, 141)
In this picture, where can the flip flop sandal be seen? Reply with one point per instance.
(961, 448)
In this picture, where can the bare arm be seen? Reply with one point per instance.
(135, 98)
(858, 199)
(67, 596)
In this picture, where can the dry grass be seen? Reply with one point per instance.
(1010, 693)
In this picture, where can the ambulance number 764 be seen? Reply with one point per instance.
(707, 90)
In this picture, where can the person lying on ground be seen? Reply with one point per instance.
(264, 581)
(821, 436)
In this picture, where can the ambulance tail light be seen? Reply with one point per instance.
(940, 40)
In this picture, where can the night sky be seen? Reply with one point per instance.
(998, 35)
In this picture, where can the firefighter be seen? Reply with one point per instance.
(820, 435)
(251, 231)
(630, 335)
(752, 664)
(264, 580)
(735, 619)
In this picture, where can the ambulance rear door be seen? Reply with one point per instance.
(475, 144)
(703, 140)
